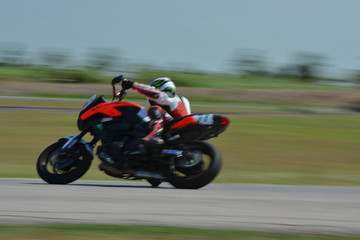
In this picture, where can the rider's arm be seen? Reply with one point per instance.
(156, 95)
(146, 90)
(175, 104)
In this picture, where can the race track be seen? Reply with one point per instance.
(326, 210)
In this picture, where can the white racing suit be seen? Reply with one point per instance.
(164, 107)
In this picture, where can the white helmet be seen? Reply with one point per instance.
(164, 84)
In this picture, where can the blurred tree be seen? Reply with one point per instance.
(355, 74)
(289, 70)
(249, 61)
(309, 65)
(55, 57)
(12, 53)
(102, 58)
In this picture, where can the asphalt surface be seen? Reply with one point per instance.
(270, 208)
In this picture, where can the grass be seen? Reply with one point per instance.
(293, 149)
(257, 148)
(305, 149)
(182, 79)
(109, 232)
(208, 102)
(229, 81)
(33, 73)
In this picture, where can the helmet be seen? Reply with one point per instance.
(164, 84)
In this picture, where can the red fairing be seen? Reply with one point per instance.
(225, 121)
(108, 109)
(184, 122)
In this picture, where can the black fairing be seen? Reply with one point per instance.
(129, 124)
(108, 128)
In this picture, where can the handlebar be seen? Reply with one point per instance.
(116, 93)
(122, 94)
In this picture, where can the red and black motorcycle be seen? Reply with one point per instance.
(184, 160)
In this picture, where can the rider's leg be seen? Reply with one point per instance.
(156, 115)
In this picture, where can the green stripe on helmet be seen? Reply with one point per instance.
(170, 89)
(158, 84)
(163, 84)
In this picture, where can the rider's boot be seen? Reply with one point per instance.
(153, 139)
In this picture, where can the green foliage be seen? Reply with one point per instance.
(21, 73)
(51, 74)
(203, 80)
(182, 79)
(76, 76)
(82, 232)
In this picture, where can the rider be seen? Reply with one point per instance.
(165, 104)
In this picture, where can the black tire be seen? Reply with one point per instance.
(54, 169)
(154, 182)
(200, 177)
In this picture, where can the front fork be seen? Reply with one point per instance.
(72, 140)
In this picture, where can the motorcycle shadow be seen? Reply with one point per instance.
(109, 185)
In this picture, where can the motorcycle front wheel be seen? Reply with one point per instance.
(55, 166)
(197, 168)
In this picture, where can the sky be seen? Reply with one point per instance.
(201, 34)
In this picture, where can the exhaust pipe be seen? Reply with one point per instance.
(115, 172)
(146, 174)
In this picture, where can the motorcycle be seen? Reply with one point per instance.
(185, 160)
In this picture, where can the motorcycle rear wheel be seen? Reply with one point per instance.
(199, 175)
(56, 168)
